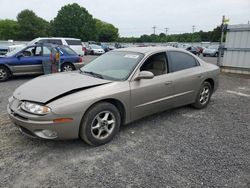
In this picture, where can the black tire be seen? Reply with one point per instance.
(202, 99)
(67, 67)
(216, 54)
(4, 74)
(204, 55)
(95, 128)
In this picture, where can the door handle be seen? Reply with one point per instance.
(200, 76)
(168, 82)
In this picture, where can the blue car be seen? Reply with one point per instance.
(29, 60)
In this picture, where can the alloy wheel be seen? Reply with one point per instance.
(103, 124)
(204, 95)
(67, 68)
(3, 74)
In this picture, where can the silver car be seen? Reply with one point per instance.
(117, 88)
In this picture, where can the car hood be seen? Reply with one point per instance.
(47, 88)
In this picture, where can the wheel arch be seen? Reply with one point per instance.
(7, 67)
(117, 103)
(211, 81)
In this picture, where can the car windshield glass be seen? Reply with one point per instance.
(114, 65)
(16, 50)
(95, 46)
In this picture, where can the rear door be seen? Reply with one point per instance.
(187, 76)
(149, 96)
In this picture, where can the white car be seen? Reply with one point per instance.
(73, 43)
(96, 50)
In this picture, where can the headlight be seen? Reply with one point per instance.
(35, 108)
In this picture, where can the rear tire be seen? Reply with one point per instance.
(100, 124)
(66, 67)
(4, 74)
(203, 96)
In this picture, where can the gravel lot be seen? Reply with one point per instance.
(183, 147)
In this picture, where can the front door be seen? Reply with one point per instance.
(149, 96)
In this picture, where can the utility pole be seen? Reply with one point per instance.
(154, 29)
(166, 30)
(221, 40)
(193, 28)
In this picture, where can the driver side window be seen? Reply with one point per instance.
(32, 51)
(155, 64)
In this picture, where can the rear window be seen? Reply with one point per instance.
(74, 42)
(68, 50)
(180, 61)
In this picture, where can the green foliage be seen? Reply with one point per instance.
(9, 29)
(31, 26)
(74, 21)
(106, 32)
(212, 36)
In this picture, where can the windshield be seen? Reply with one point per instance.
(95, 47)
(16, 50)
(114, 65)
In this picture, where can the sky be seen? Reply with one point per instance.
(137, 17)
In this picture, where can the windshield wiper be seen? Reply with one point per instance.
(93, 74)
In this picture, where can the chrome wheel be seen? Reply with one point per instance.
(103, 124)
(3, 74)
(204, 95)
(67, 68)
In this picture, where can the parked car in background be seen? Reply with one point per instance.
(200, 49)
(105, 47)
(3, 50)
(95, 50)
(212, 51)
(73, 43)
(193, 50)
(29, 59)
(111, 47)
(116, 88)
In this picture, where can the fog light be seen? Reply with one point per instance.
(47, 134)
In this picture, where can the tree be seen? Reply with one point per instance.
(74, 21)
(32, 26)
(106, 32)
(9, 29)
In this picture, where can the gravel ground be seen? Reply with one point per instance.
(183, 147)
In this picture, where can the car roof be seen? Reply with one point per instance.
(147, 50)
(57, 38)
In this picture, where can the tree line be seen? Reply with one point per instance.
(211, 36)
(72, 20)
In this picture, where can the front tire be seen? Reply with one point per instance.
(4, 74)
(100, 124)
(203, 96)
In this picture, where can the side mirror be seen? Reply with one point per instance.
(19, 55)
(145, 75)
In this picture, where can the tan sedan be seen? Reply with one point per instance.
(117, 88)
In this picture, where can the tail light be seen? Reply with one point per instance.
(80, 59)
(84, 49)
